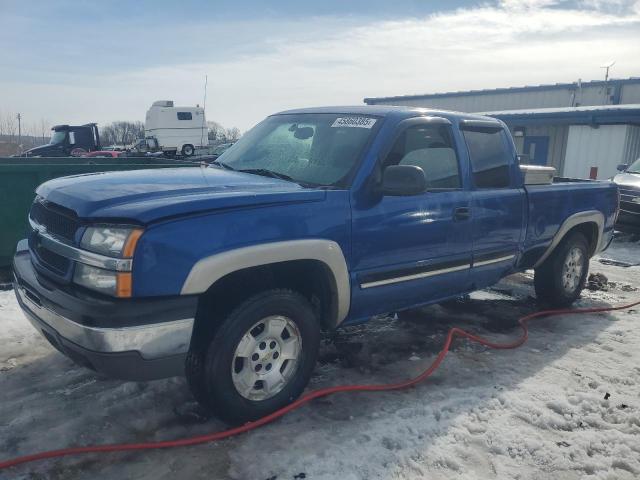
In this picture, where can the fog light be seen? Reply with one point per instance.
(98, 279)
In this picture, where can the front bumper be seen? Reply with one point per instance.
(133, 339)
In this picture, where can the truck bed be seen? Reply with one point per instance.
(549, 206)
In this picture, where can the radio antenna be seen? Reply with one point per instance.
(204, 112)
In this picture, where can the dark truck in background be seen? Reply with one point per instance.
(628, 181)
(69, 141)
(314, 219)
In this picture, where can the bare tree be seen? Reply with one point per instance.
(44, 129)
(218, 134)
(121, 133)
(33, 133)
(11, 126)
(233, 134)
(215, 132)
(8, 126)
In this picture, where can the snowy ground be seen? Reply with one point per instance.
(566, 405)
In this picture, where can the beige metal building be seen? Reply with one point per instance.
(584, 129)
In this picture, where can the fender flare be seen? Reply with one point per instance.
(209, 270)
(590, 216)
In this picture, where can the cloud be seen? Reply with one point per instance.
(334, 61)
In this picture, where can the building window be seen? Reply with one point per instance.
(490, 158)
(184, 116)
(431, 149)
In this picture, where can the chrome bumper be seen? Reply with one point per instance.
(150, 341)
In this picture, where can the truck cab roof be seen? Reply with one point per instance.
(60, 128)
(397, 112)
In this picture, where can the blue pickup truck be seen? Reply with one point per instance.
(315, 219)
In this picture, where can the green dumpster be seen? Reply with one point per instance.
(19, 177)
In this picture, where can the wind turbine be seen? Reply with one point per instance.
(606, 67)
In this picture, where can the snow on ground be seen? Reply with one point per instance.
(566, 405)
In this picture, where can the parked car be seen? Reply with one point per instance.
(628, 181)
(315, 219)
(105, 154)
(220, 149)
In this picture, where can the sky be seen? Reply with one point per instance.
(78, 61)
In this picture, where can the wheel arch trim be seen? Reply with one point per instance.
(580, 218)
(207, 271)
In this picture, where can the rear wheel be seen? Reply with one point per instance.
(188, 150)
(561, 278)
(260, 359)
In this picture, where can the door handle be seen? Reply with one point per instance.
(462, 213)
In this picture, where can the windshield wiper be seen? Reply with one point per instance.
(268, 173)
(226, 166)
(265, 172)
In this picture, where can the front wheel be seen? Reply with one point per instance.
(561, 277)
(261, 357)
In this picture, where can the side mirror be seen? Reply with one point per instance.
(403, 180)
(622, 167)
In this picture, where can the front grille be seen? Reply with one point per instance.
(630, 207)
(629, 199)
(55, 262)
(629, 193)
(59, 221)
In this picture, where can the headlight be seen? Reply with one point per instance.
(116, 284)
(111, 241)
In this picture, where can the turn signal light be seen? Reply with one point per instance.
(132, 241)
(123, 285)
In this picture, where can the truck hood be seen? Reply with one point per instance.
(42, 150)
(149, 195)
(627, 179)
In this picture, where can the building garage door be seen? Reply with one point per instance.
(595, 150)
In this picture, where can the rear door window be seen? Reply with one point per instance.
(490, 158)
(184, 116)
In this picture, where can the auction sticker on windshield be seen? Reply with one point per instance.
(354, 122)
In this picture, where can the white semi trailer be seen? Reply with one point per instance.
(175, 130)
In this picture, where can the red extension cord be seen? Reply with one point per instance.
(323, 392)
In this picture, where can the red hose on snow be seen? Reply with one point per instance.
(322, 392)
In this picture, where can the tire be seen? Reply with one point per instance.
(561, 277)
(188, 150)
(233, 378)
(194, 371)
(78, 152)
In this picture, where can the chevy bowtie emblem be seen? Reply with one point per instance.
(635, 199)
